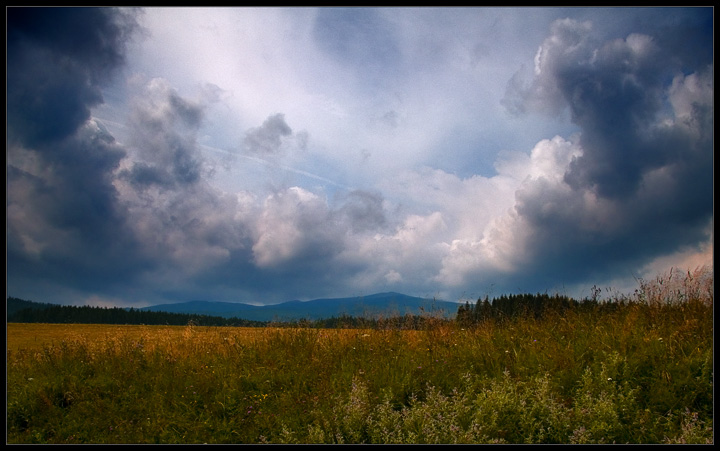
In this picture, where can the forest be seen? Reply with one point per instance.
(499, 308)
(22, 311)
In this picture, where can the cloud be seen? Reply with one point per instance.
(164, 139)
(500, 244)
(64, 220)
(614, 91)
(409, 254)
(362, 211)
(569, 44)
(267, 138)
(87, 213)
(293, 227)
(639, 183)
(55, 77)
(414, 180)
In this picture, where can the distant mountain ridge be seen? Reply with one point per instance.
(371, 306)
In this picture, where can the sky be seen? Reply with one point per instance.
(262, 155)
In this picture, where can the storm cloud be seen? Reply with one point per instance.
(64, 218)
(54, 77)
(130, 182)
(643, 156)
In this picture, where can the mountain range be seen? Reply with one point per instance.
(371, 306)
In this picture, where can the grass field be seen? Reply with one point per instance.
(642, 373)
(38, 336)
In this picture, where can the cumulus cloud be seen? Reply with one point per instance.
(501, 242)
(187, 227)
(638, 175)
(292, 226)
(410, 253)
(362, 211)
(267, 138)
(615, 91)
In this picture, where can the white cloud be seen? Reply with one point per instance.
(293, 223)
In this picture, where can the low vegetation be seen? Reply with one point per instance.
(632, 369)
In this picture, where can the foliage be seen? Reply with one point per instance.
(21, 311)
(510, 306)
(637, 372)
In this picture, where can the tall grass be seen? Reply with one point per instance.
(640, 373)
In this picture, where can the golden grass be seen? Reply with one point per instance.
(638, 374)
(35, 336)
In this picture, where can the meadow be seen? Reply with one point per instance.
(638, 373)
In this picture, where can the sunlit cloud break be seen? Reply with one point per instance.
(261, 155)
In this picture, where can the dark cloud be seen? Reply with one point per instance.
(64, 219)
(616, 92)
(267, 138)
(616, 101)
(683, 34)
(642, 186)
(143, 175)
(54, 76)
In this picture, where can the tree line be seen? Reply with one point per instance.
(526, 305)
(498, 309)
(21, 311)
